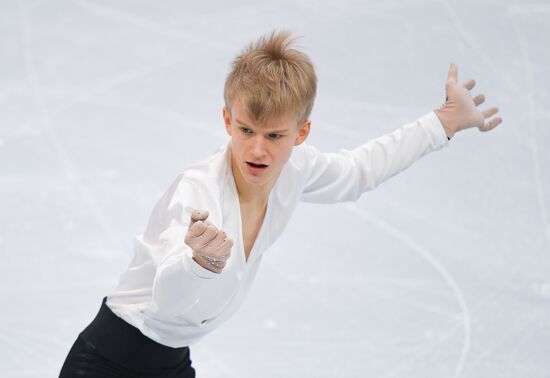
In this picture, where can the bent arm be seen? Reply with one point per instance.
(179, 279)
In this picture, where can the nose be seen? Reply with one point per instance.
(258, 146)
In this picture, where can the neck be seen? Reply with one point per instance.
(248, 193)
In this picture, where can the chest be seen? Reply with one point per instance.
(252, 220)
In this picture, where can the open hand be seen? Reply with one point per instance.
(211, 247)
(460, 110)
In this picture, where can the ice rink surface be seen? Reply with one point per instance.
(441, 271)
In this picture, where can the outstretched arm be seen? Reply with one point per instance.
(460, 111)
(345, 175)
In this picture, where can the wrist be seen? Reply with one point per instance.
(449, 131)
(215, 268)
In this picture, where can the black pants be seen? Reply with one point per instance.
(111, 347)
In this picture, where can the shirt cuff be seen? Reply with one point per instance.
(435, 130)
(197, 269)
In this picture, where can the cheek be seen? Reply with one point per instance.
(237, 145)
(283, 154)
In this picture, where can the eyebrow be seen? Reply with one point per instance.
(271, 131)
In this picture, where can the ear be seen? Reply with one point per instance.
(303, 133)
(227, 120)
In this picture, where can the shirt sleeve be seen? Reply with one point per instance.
(345, 175)
(178, 279)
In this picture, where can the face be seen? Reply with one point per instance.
(259, 152)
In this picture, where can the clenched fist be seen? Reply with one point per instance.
(211, 247)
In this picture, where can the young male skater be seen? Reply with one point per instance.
(197, 258)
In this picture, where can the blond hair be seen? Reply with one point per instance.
(273, 79)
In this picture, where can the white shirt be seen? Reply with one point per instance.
(175, 301)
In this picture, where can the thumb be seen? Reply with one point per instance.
(198, 215)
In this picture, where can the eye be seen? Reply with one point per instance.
(275, 136)
(245, 130)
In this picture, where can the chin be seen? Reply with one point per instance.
(256, 181)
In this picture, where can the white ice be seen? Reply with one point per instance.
(442, 271)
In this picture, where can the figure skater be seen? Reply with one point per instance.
(195, 263)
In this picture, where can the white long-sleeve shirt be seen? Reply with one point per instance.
(175, 301)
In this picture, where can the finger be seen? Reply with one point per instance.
(212, 248)
(489, 112)
(453, 73)
(220, 250)
(198, 215)
(479, 99)
(225, 246)
(198, 232)
(206, 238)
(491, 124)
(469, 84)
(196, 229)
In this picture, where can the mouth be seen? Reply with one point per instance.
(256, 168)
(253, 165)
